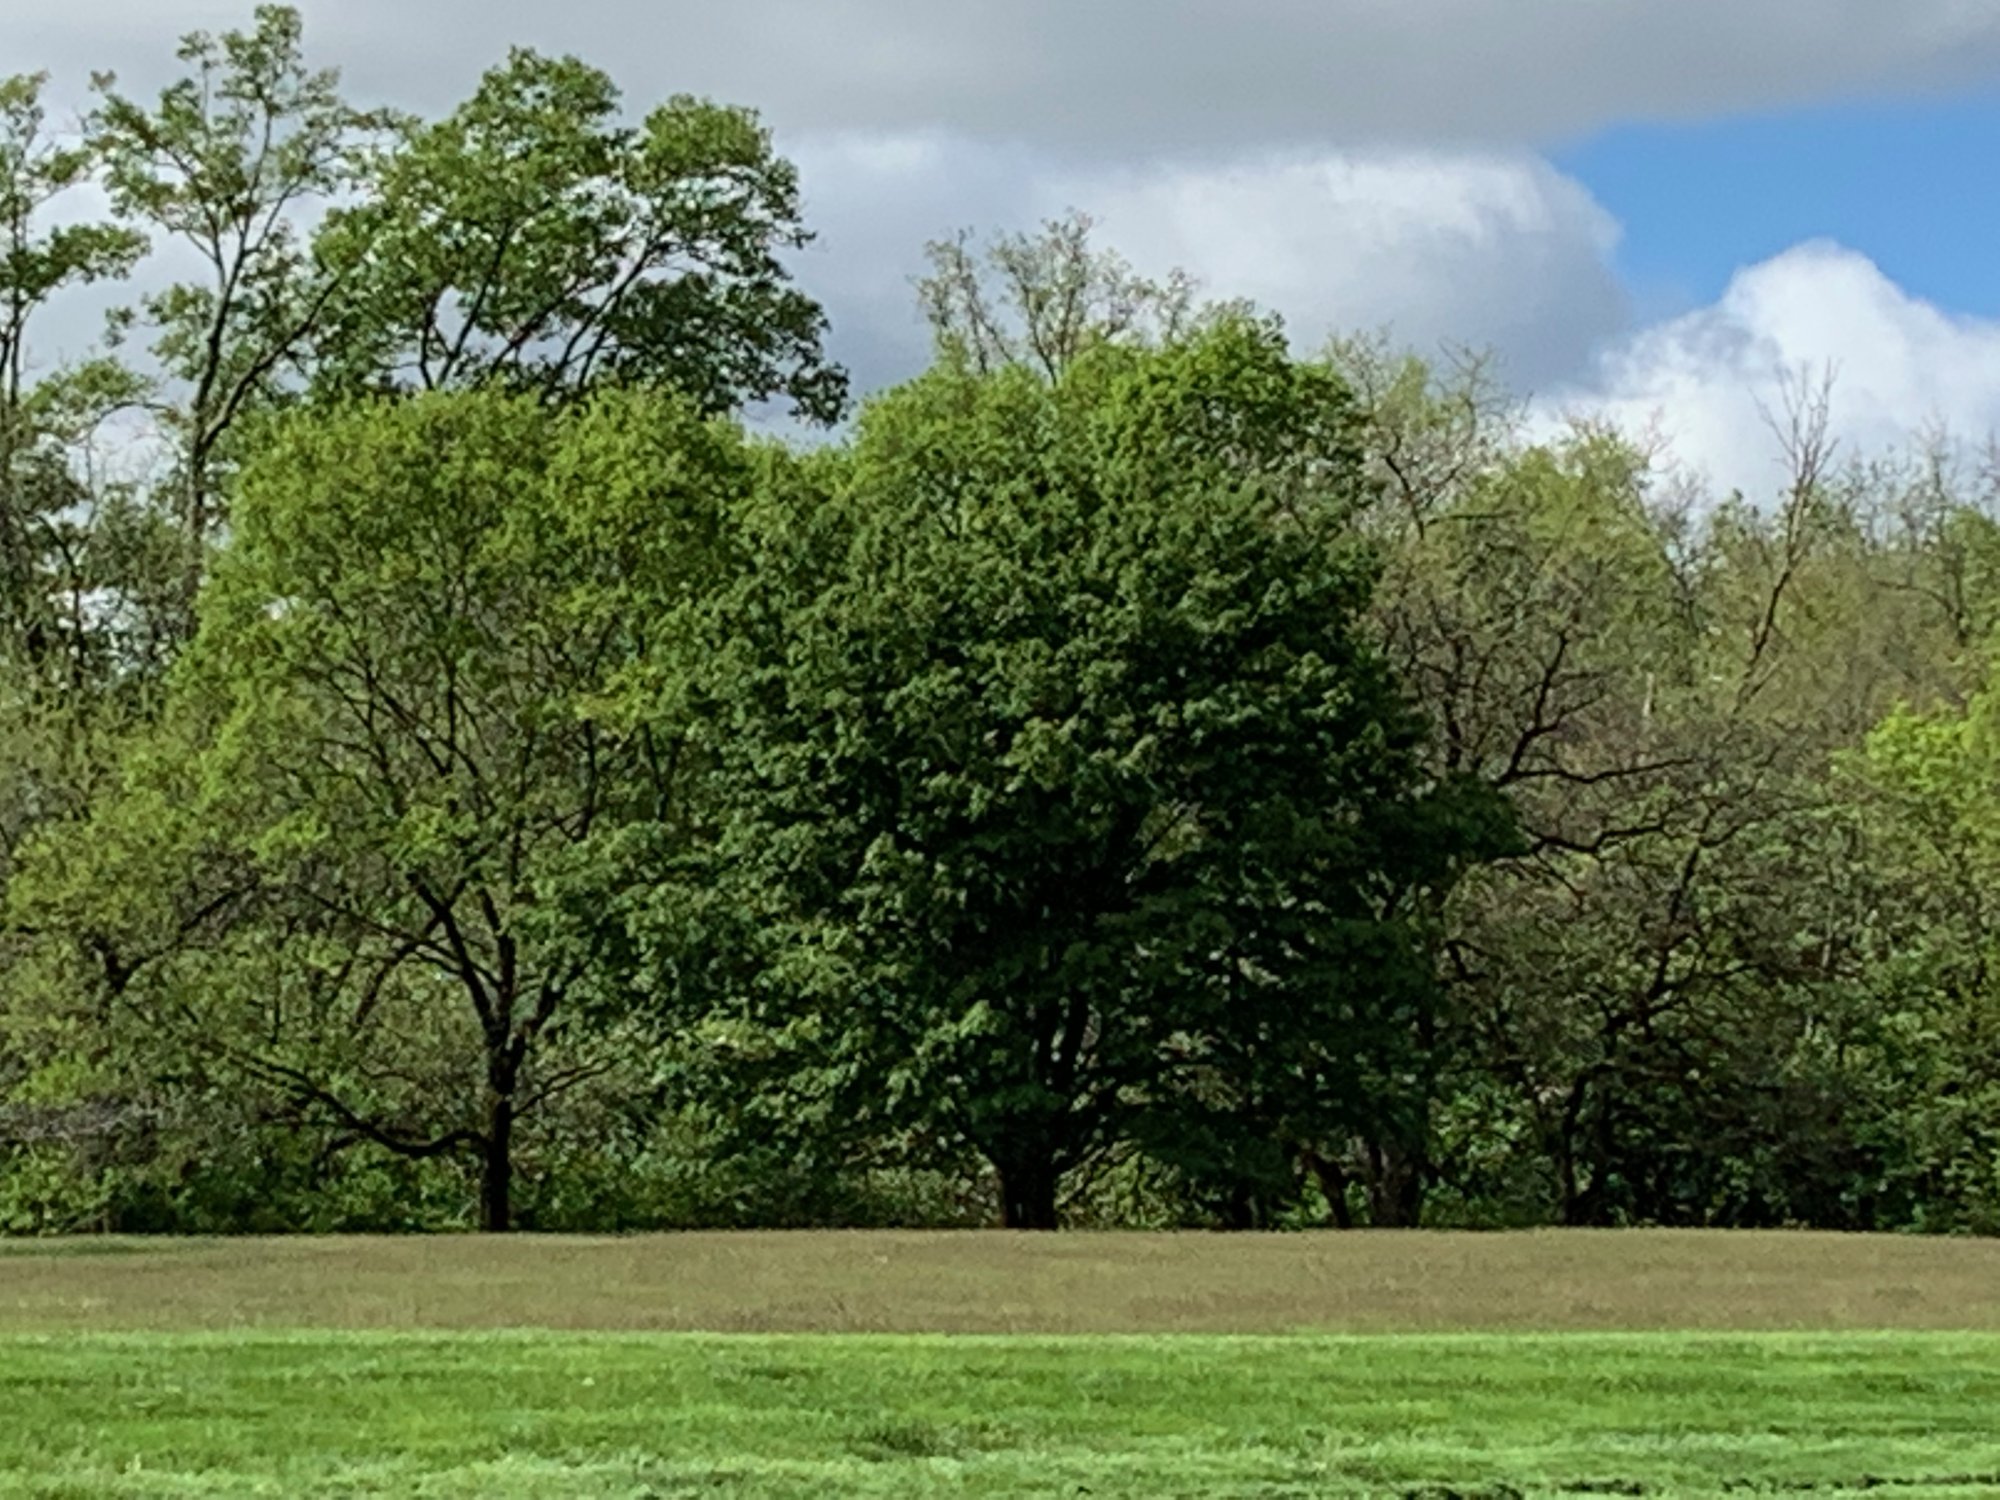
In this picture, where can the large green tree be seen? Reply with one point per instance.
(530, 240)
(1057, 746)
(344, 871)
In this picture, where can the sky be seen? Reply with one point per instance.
(1651, 210)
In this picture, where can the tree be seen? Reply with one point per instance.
(531, 241)
(1054, 742)
(1041, 301)
(1929, 819)
(62, 552)
(1647, 1003)
(223, 164)
(1523, 603)
(45, 414)
(347, 868)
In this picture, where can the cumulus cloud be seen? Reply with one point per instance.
(1499, 252)
(1704, 381)
(1496, 250)
(1125, 76)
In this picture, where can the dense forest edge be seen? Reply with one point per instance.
(462, 770)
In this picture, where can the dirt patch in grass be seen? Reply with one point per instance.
(1000, 1283)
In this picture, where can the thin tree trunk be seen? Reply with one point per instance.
(1395, 1185)
(1333, 1186)
(496, 1182)
(1566, 1178)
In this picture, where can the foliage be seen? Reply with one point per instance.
(56, 544)
(222, 164)
(530, 240)
(343, 866)
(1053, 732)
(1040, 302)
(449, 773)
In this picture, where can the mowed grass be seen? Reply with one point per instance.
(1610, 1281)
(1206, 1415)
(1125, 1366)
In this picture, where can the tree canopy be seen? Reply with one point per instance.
(1139, 773)
(1058, 733)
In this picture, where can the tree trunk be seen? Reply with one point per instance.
(1244, 1211)
(1396, 1173)
(1028, 1195)
(496, 1181)
(1333, 1186)
(1566, 1180)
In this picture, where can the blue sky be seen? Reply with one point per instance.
(1909, 183)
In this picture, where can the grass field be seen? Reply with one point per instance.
(1002, 1365)
(999, 1283)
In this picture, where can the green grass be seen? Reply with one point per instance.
(1024, 1365)
(619, 1414)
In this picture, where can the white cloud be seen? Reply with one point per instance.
(1489, 250)
(1495, 250)
(1705, 380)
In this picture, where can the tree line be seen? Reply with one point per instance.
(458, 774)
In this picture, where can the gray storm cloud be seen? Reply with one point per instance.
(1125, 76)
